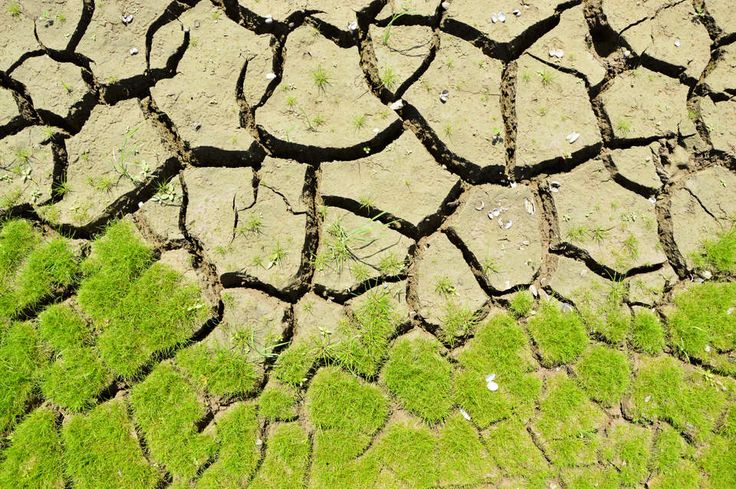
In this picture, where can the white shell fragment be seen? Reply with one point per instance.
(653, 199)
(730, 310)
(516, 12)
(269, 19)
(554, 186)
(556, 53)
(572, 137)
(445, 5)
(480, 205)
(133, 51)
(465, 414)
(397, 105)
(494, 213)
(127, 19)
(353, 26)
(677, 43)
(501, 17)
(505, 224)
(534, 291)
(707, 348)
(529, 206)
(444, 95)
(492, 386)
(270, 76)
(494, 18)
(513, 184)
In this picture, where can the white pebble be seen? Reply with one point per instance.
(492, 386)
(677, 43)
(572, 137)
(501, 17)
(516, 12)
(270, 76)
(127, 19)
(269, 19)
(556, 53)
(353, 26)
(133, 51)
(397, 105)
(445, 5)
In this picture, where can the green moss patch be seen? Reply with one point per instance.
(703, 324)
(511, 448)
(293, 364)
(499, 347)
(627, 449)
(287, 456)
(167, 408)
(34, 457)
(521, 304)
(560, 336)
(604, 374)
(101, 452)
(219, 370)
(75, 380)
(420, 378)
(19, 369)
(61, 327)
(647, 334)
(277, 402)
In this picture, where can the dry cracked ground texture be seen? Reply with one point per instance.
(294, 165)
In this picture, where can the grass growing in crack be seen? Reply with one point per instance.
(102, 453)
(560, 336)
(34, 457)
(417, 467)
(218, 370)
(61, 327)
(293, 364)
(627, 447)
(521, 304)
(320, 78)
(463, 459)
(456, 322)
(287, 456)
(390, 264)
(389, 78)
(19, 370)
(420, 378)
(172, 439)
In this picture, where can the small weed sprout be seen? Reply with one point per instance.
(599, 234)
(578, 234)
(321, 78)
(387, 33)
(389, 78)
(360, 271)
(103, 184)
(359, 122)
(546, 77)
(291, 101)
(319, 120)
(490, 266)
(623, 126)
(14, 9)
(366, 202)
(390, 265)
(166, 194)
(252, 225)
(444, 287)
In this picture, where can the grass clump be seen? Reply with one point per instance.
(511, 448)
(416, 466)
(61, 327)
(647, 334)
(286, 458)
(718, 254)
(560, 336)
(457, 322)
(671, 463)
(75, 379)
(499, 347)
(462, 459)
(34, 457)
(604, 374)
(237, 432)
(159, 312)
(21, 359)
(293, 365)
(608, 317)
(218, 370)
(591, 477)
(627, 448)
(662, 389)
(277, 402)
(703, 324)
(101, 452)
(521, 304)
(367, 335)
(167, 408)
(719, 463)
(568, 423)
(117, 259)
(420, 378)
(17, 239)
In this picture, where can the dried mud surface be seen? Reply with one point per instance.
(217, 122)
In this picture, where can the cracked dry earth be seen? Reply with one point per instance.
(372, 251)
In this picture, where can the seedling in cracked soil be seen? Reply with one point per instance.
(321, 78)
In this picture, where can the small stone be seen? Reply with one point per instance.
(127, 19)
(397, 105)
(707, 348)
(513, 184)
(501, 17)
(677, 43)
(516, 12)
(556, 53)
(270, 76)
(706, 274)
(534, 291)
(627, 53)
(353, 26)
(268, 19)
(133, 51)
(197, 126)
(494, 18)
(140, 204)
(730, 310)
(648, 398)
(444, 95)
(445, 5)
(291, 25)
(652, 199)
(506, 224)
(572, 137)
(497, 138)
(259, 442)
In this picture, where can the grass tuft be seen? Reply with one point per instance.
(604, 374)
(277, 402)
(286, 458)
(218, 370)
(21, 360)
(719, 254)
(560, 336)
(75, 380)
(647, 334)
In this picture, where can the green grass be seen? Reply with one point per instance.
(320, 78)
(75, 380)
(521, 304)
(101, 452)
(606, 317)
(560, 336)
(237, 432)
(61, 327)
(19, 371)
(457, 321)
(287, 456)
(34, 457)
(604, 374)
(463, 458)
(293, 364)
(117, 259)
(647, 334)
(420, 378)
(219, 370)
(167, 408)
(159, 312)
(719, 462)
(718, 254)
(627, 448)
(511, 448)
(277, 402)
(701, 325)
(499, 347)
(417, 466)
(17, 239)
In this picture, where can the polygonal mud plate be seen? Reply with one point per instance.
(115, 151)
(252, 321)
(285, 177)
(396, 293)
(56, 21)
(412, 7)
(161, 212)
(479, 16)
(181, 261)
(8, 107)
(340, 113)
(269, 239)
(441, 262)
(399, 51)
(108, 41)
(574, 281)
(637, 164)
(510, 256)
(53, 86)
(621, 16)
(277, 9)
(403, 180)
(572, 37)
(339, 14)
(673, 35)
(315, 317)
(710, 189)
(549, 106)
(648, 288)
(718, 118)
(722, 12)
(722, 77)
(200, 99)
(616, 226)
(26, 167)
(352, 250)
(642, 103)
(471, 117)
